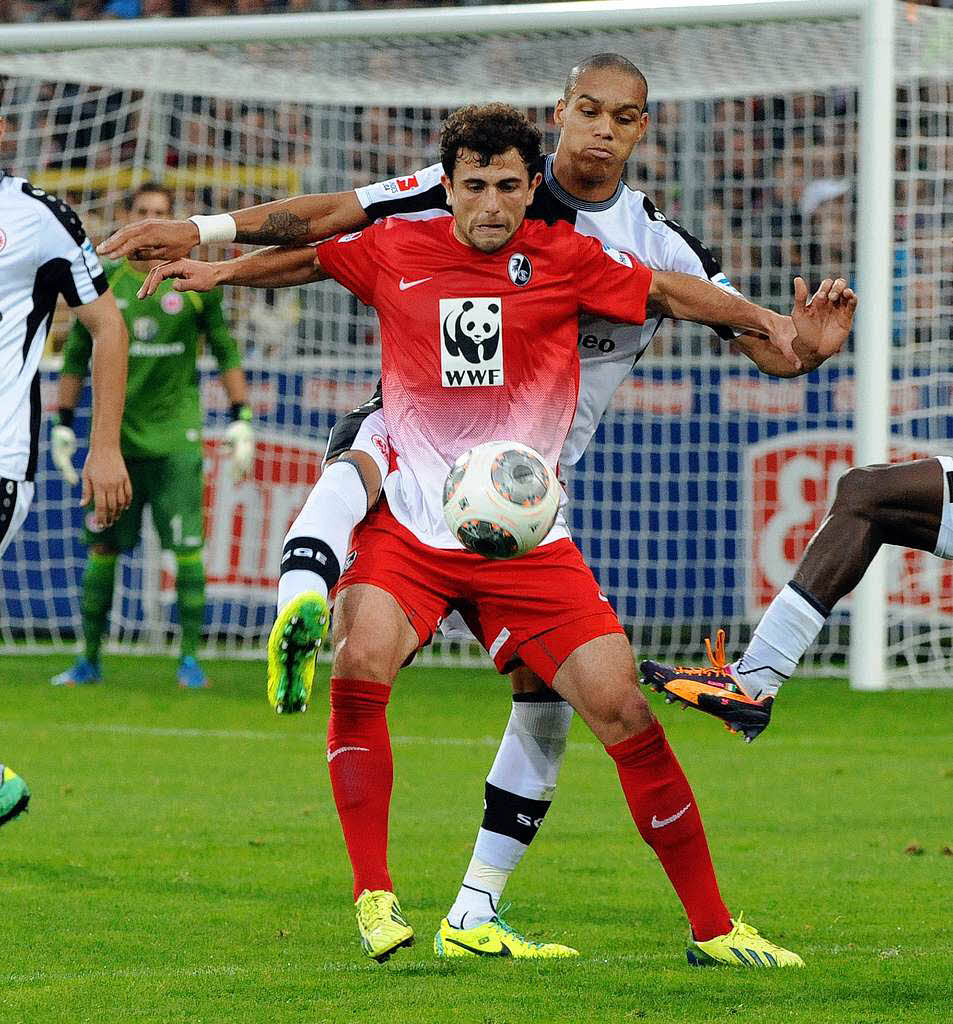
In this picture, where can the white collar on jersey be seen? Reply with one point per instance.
(572, 201)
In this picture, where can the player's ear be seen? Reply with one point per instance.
(448, 188)
(643, 126)
(559, 112)
(534, 183)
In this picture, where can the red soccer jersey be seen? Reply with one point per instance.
(477, 346)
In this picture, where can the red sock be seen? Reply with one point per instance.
(664, 810)
(362, 774)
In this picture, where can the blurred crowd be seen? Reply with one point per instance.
(94, 10)
(89, 10)
(768, 182)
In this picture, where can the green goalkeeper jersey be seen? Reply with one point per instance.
(162, 414)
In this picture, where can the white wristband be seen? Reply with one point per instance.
(220, 227)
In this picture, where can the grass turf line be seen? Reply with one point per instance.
(182, 859)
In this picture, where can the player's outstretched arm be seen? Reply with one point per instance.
(105, 480)
(686, 297)
(823, 325)
(277, 267)
(291, 221)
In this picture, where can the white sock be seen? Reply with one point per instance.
(786, 630)
(336, 504)
(519, 790)
(479, 896)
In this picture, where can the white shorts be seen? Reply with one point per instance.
(371, 438)
(944, 539)
(15, 498)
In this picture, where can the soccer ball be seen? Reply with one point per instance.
(500, 499)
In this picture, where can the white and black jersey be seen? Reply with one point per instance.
(627, 221)
(44, 253)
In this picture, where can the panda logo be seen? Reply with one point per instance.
(474, 331)
(471, 342)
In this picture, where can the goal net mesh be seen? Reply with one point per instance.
(705, 481)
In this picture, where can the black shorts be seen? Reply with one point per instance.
(344, 431)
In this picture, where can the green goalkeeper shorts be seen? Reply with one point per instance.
(172, 488)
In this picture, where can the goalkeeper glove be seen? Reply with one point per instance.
(240, 442)
(63, 443)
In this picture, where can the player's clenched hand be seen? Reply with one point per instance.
(190, 275)
(106, 485)
(151, 240)
(824, 323)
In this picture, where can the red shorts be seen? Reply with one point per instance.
(535, 610)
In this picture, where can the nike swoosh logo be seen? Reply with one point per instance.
(662, 822)
(341, 750)
(404, 285)
(504, 950)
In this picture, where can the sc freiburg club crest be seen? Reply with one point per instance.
(520, 269)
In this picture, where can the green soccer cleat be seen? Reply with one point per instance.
(14, 794)
(381, 924)
(743, 946)
(494, 938)
(292, 645)
(711, 689)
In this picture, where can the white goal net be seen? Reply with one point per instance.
(706, 480)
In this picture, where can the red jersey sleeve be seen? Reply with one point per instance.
(611, 283)
(353, 260)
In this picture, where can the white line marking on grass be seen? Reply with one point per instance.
(178, 732)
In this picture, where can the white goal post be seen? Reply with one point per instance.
(773, 140)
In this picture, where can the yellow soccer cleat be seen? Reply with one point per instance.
(295, 638)
(381, 924)
(743, 946)
(14, 794)
(494, 938)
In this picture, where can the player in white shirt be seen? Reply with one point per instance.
(44, 253)
(601, 117)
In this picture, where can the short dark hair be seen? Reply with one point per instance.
(151, 186)
(600, 62)
(489, 131)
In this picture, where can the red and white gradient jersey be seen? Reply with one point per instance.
(477, 346)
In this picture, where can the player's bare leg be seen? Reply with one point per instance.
(906, 504)
(311, 563)
(599, 680)
(518, 792)
(372, 639)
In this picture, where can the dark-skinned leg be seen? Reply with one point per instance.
(898, 504)
(518, 792)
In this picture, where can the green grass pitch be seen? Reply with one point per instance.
(182, 860)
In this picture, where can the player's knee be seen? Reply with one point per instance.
(357, 655)
(634, 715)
(858, 492)
(525, 680)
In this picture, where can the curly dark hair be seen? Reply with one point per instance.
(489, 131)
